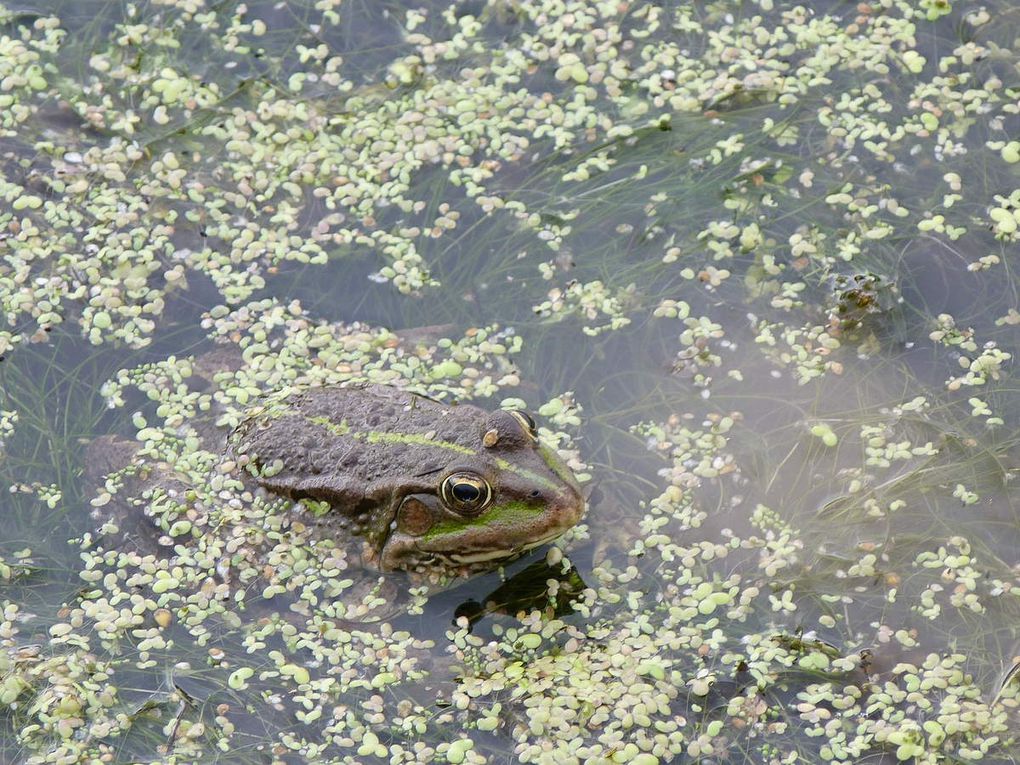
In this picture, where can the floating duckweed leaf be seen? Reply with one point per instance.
(678, 216)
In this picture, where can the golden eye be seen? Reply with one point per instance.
(466, 493)
(526, 422)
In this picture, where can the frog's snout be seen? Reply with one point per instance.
(565, 509)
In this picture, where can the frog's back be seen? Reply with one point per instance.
(362, 435)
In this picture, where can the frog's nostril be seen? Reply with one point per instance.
(536, 494)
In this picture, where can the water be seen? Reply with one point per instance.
(727, 246)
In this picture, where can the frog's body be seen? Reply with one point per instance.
(431, 488)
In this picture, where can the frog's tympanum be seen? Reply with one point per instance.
(430, 487)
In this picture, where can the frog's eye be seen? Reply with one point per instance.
(526, 422)
(466, 493)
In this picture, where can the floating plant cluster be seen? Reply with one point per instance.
(756, 195)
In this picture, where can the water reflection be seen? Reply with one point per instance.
(742, 284)
(539, 587)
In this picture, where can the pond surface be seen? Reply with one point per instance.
(749, 265)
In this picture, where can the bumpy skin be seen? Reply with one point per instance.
(379, 457)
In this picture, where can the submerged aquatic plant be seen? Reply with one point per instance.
(752, 263)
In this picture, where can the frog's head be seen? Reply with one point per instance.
(484, 508)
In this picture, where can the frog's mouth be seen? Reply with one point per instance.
(484, 556)
(467, 563)
(489, 556)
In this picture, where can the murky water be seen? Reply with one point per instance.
(759, 261)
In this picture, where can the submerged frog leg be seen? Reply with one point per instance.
(373, 598)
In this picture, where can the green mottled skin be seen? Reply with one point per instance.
(378, 456)
(514, 513)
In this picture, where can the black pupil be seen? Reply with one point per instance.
(466, 492)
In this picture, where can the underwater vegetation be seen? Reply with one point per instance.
(749, 264)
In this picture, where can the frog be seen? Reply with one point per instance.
(430, 488)
(401, 481)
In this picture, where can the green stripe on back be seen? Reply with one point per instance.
(379, 437)
(343, 429)
(382, 437)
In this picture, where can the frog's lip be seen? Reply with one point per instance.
(483, 556)
(544, 540)
(479, 557)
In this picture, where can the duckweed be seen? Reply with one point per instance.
(682, 213)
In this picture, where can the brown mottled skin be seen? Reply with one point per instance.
(345, 468)
(379, 456)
